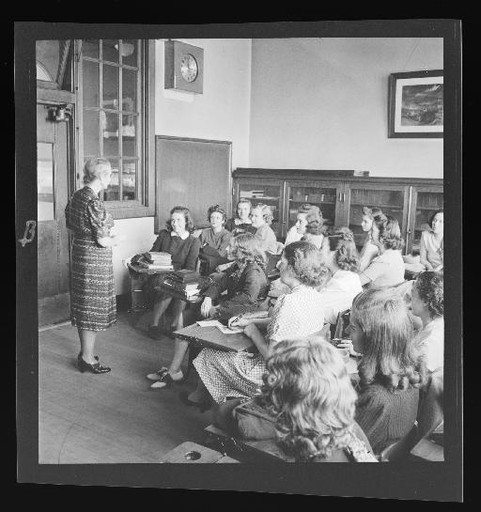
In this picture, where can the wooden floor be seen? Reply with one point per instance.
(115, 417)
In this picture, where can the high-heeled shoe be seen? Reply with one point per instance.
(83, 366)
(202, 406)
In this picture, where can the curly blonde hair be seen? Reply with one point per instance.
(341, 240)
(309, 391)
(246, 249)
(305, 260)
(266, 212)
(95, 168)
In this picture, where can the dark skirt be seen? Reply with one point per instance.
(93, 301)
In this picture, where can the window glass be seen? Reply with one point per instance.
(45, 181)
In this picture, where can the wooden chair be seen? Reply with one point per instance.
(193, 453)
(430, 410)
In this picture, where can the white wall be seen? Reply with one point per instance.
(322, 104)
(222, 112)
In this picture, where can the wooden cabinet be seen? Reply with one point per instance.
(341, 196)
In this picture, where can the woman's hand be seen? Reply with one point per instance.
(206, 307)
(239, 321)
(251, 330)
(347, 345)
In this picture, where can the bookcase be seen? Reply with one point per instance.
(341, 196)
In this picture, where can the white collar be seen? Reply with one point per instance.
(184, 236)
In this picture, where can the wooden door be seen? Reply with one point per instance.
(53, 243)
(392, 199)
(425, 201)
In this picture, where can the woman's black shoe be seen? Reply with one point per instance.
(93, 368)
(202, 406)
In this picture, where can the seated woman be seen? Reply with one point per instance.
(299, 313)
(427, 300)
(369, 250)
(340, 256)
(391, 369)
(387, 269)
(314, 228)
(432, 245)
(242, 223)
(308, 403)
(297, 231)
(261, 219)
(178, 241)
(214, 240)
(245, 282)
(309, 228)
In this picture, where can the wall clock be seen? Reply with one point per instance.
(184, 67)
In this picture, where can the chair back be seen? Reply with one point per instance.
(430, 409)
(399, 450)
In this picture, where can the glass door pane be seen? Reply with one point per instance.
(322, 196)
(265, 193)
(45, 181)
(428, 203)
(391, 202)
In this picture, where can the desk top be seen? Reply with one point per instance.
(212, 337)
(149, 271)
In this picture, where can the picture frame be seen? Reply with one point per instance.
(416, 104)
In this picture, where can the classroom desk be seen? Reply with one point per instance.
(193, 453)
(212, 337)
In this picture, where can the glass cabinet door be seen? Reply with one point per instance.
(427, 203)
(323, 195)
(264, 192)
(392, 201)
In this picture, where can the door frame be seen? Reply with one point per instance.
(57, 98)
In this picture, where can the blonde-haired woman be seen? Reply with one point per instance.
(311, 403)
(261, 216)
(391, 369)
(369, 249)
(92, 291)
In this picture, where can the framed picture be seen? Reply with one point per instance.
(415, 106)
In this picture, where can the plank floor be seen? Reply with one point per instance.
(115, 417)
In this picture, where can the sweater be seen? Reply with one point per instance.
(184, 252)
(386, 416)
(243, 289)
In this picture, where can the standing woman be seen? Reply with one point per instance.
(369, 250)
(261, 220)
(432, 244)
(388, 268)
(92, 291)
(242, 223)
(178, 241)
(215, 240)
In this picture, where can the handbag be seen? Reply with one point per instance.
(254, 421)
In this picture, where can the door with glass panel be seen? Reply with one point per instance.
(323, 194)
(426, 201)
(391, 199)
(53, 244)
(259, 191)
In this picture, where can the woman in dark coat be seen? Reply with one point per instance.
(178, 241)
(92, 290)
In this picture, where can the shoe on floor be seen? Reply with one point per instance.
(167, 379)
(158, 374)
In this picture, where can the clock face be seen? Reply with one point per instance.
(188, 68)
